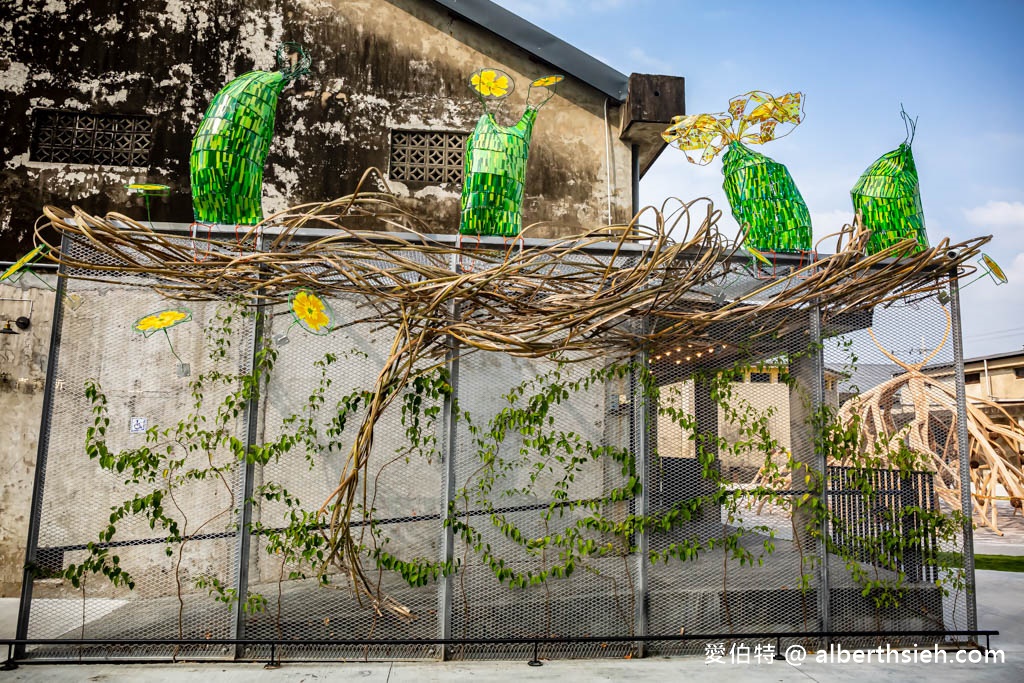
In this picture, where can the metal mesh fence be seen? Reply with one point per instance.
(694, 489)
(146, 392)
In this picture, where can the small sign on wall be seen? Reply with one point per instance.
(137, 425)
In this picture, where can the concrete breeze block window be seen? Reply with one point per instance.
(434, 157)
(75, 137)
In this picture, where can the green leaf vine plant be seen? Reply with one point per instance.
(524, 451)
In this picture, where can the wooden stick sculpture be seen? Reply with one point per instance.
(992, 445)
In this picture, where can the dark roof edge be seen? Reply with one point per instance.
(564, 57)
(976, 359)
(995, 356)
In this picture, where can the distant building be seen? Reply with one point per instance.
(997, 377)
(854, 381)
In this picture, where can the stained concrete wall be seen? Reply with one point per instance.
(377, 66)
(23, 358)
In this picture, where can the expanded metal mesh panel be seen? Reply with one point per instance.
(872, 362)
(526, 488)
(145, 388)
(724, 411)
(403, 484)
(577, 499)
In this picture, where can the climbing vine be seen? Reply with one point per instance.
(523, 450)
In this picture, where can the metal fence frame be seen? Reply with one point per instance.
(641, 443)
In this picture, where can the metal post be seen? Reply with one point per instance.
(641, 449)
(963, 450)
(246, 476)
(449, 443)
(42, 449)
(817, 401)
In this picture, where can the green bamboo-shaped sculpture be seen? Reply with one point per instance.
(888, 197)
(495, 165)
(231, 145)
(764, 199)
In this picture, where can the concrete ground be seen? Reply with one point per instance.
(1000, 607)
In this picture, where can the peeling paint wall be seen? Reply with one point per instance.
(377, 66)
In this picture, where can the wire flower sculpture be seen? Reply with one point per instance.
(23, 266)
(311, 312)
(496, 155)
(148, 190)
(161, 321)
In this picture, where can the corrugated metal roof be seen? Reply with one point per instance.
(556, 52)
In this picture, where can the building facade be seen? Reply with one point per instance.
(97, 94)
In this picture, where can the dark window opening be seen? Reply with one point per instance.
(433, 157)
(1018, 373)
(972, 378)
(760, 378)
(75, 137)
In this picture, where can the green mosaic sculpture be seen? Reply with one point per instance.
(888, 197)
(495, 160)
(230, 147)
(764, 199)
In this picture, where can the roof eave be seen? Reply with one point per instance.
(559, 54)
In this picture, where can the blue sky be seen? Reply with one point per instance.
(955, 65)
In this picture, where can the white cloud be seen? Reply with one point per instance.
(1005, 222)
(646, 63)
(997, 214)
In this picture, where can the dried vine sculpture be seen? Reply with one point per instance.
(991, 444)
(554, 300)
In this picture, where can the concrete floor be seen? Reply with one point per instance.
(1000, 606)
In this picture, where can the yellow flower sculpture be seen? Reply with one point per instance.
(492, 83)
(24, 261)
(148, 188)
(311, 312)
(155, 322)
(545, 81)
(770, 118)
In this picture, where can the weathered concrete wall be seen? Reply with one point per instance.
(22, 374)
(139, 379)
(377, 66)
